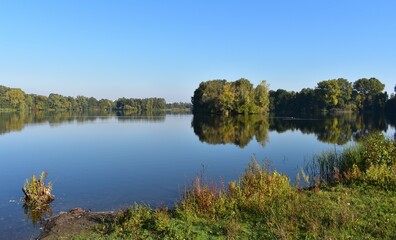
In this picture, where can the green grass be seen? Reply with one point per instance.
(352, 195)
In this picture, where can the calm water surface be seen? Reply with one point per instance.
(109, 162)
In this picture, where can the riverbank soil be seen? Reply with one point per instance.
(76, 221)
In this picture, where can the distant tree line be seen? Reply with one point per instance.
(222, 97)
(238, 97)
(140, 105)
(14, 99)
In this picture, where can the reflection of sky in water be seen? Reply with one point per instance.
(105, 164)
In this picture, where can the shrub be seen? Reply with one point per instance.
(202, 198)
(378, 150)
(382, 176)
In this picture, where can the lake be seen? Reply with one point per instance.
(104, 163)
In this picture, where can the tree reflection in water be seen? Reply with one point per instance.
(11, 122)
(240, 130)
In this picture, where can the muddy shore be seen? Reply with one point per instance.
(76, 221)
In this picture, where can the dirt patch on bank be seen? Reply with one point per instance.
(76, 221)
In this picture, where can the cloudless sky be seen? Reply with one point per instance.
(111, 49)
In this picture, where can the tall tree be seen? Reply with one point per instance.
(227, 98)
(16, 98)
(92, 103)
(82, 103)
(206, 96)
(57, 102)
(345, 92)
(368, 93)
(331, 93)
(261, 96)
(244, 96)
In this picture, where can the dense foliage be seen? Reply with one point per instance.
(220, 96)
(140, 105)
(334, 95)
(351, 195)
(391, 103)
(14, 99)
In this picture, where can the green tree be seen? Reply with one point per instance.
(369, 93)
(282, 101)
(206, 97)
(345, 93)
(244, 96)
(16, 98)
(370, 86)
(227, 99)
(92, 103)
(73, 104)
(82, 103)
(306, 101)
(57, 102)
(261, 96)
(105, 105)
(331, 93)
(222, 97)
(39, 102)
(29, 102)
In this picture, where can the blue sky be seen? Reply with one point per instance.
(111, 49)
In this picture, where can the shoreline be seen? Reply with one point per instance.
(76, 221)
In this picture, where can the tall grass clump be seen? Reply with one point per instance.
(259, 187)
(371, 161)
(203, 198)
(37, 193)
(37, 199)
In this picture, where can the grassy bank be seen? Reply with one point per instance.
(349, 195)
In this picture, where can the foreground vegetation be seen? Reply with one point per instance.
(346, 195)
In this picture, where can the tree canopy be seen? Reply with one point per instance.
(238, 97)
(14, 99)
(332, 95)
